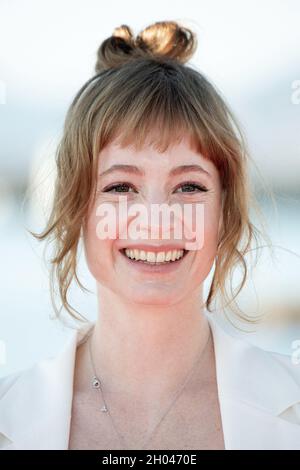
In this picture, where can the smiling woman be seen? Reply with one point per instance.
(155, 371)
(128, 262)
(144, 96)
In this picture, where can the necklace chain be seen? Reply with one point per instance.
(97, 384)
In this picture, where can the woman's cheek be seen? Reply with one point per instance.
(211, 228)
(96, 247)
(205, 256)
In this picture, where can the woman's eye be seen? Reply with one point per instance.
(118, 188)
(125, 187)
(191, 187)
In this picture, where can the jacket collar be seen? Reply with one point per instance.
(254, 388)
(248, 373)
(35, 413)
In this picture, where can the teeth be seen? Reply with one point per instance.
(152, 257)
(160, 257)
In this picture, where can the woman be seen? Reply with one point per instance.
(155, 371)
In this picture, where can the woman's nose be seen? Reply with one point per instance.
(158, 220)
(156, 195)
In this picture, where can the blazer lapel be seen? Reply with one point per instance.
(250, 428)
(35, 412)
(255, 387)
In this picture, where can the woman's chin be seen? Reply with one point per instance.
(152, 295)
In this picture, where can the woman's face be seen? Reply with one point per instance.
(147, 181)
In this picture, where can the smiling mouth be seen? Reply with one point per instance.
(131, 257)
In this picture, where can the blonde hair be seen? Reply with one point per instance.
(142, 85)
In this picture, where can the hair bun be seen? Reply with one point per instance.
(161, 39)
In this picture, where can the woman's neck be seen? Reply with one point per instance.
(143, 350)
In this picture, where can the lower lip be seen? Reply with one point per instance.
(155, 268)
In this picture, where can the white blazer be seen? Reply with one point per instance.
(259, 396)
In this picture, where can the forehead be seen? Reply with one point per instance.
(150, 158)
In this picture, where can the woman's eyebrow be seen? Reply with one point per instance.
(140, 172)
(126, 168)
(185, 168)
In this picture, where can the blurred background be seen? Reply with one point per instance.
(249, 50)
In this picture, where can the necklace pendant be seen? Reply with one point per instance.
(95, 382)
(104, 409)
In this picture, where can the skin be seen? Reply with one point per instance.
(150, 327)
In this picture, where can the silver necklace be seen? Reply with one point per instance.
(97, 385)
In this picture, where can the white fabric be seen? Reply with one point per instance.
(259, 395)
